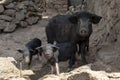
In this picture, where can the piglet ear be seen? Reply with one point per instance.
(20, 51)
(55, 48)
(39, 49)
(95, 18)
(73, 19)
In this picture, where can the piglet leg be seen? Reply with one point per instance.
(52, 69)
(57, 68)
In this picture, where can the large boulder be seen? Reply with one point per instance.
(8, 70)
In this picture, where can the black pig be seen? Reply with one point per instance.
(75, 28)
(30, 50)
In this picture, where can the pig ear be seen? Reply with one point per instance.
(40, 49)
(73, 19)
(20, 51)
(55, 48)
(95, 18)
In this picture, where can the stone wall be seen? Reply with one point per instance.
(76, 2)
(57, 5)
(20, 13)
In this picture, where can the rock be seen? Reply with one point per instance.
(20, 6)
(10, 12)
(10, 28)
(10, 6)
(50, 77)
(5, 17)
(34, 6)
(15, 21)
(114, 75)
(57, 5)
(32, 20)
(81, 73)
(23, 24)
(1, 9)
(82, 76)
(30, 8)
(3, 24)
(30, 14)
(36, 1)
(5, 1)
(20, 16)
(26, 3)
(8, 69)
(100, 75)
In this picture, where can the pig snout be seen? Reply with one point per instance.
(83, 32)
(48, 54)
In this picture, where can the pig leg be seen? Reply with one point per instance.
(83, 53)
(52, 69)
(87, 45)
(71, 62)
(30, 61)
(56, 63)
(39, 57)
(57, 68)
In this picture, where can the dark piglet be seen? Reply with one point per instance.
(59, 52)
(30, 50)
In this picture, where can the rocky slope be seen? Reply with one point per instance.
(108, 29)
(106, 34)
